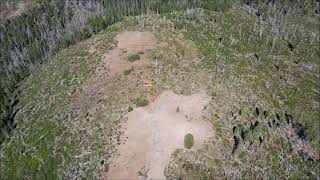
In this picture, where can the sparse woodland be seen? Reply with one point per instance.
(258, 58)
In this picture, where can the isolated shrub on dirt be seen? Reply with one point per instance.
(188, 141)
(133, 57)
(130, 109)
(142, 102)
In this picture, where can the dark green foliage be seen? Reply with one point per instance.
(72, 39)
(142, 102)
(188, 141)
(217, 5)
(130, 109)
(49, 166)
(133, 57)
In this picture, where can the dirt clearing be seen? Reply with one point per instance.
(131, 42)
(153, 133)
(115, 62)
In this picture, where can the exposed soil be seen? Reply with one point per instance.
(115, 62)
(154, 132)
(128, 43)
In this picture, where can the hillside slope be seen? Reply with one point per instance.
(259, 74)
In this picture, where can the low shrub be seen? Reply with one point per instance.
(188, 141)
(133, 57)
(142, 102)
(130, 109)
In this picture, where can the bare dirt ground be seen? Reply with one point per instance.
(115, 62)
(154, 132)
(128, 43)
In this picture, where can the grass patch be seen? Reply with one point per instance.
(156, 54)
(188, 141)
(142, 102)
(134, 57)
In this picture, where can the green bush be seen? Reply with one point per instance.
(142, 102)
(130, 109)
(156, 55)
(188, 141)
(133, 57)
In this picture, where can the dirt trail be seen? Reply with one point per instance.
(154, 132)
